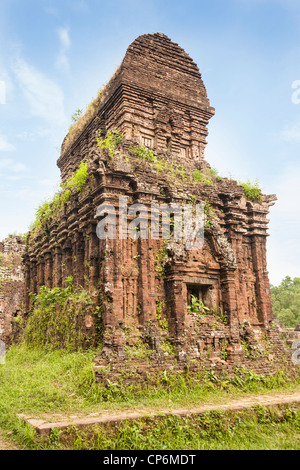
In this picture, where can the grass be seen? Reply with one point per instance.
(260, 428)
(36, 382)
(252, 191)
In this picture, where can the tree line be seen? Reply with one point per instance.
(286, 301)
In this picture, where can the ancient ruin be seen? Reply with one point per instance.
(144, 138)
(11, 287)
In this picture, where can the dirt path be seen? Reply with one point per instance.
(44, 426)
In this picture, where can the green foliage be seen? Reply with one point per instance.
(161, 260)
(206, 178)
(197, 175)
(172, 170)
(57, 319)
(48, 209)
(209, 212)
(218, 312)
(110, 142)
(160, 165)
(77, 180)
(143, 152)
(252, 191)
(162, 322)
(76, 115)
(43, 212)
(286, 301)
(197, 307)
(213, 171)
(36, 381)
(212, 430)
(80, 120)
(140, 350)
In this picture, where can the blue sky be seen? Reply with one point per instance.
(55, 55)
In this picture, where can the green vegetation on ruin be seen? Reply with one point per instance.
(208, 178)
(172, 172)
(45, 376)
(81, 119)
(214, 430)
(48, 209)
(197, 307)
(110, 142)
(57, 318)
(252, 191)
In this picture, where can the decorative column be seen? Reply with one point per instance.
(262, 285)
(229, 300)
(93, 271)
(40, 272)
(48, 270)
(57, 267)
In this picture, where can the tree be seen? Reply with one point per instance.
(286, 301)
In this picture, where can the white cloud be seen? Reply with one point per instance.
(288, 192)
(62, 61)
(2, 92)
(32, 136)
(47, 182)
(51, 11)
(18, 167)
(13, 178)
(44, 96)
(5, 146)
(289, 4)
(291, 133)
(63, 34)
(81, 6)
(9, 165)
(4, 163)
(284, 228)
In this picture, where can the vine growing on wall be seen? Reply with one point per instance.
(110, 142)
(57, 320)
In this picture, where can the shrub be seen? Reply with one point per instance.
(197, 307)
(143, 152)
(252, 191)
(57, 319)
(112, 140)
(197, 175)
(76, 115)
(78, 180)
(47, 209)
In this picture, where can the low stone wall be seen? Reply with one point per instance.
(264, 356)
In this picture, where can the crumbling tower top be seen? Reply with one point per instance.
(156, 98)
(156, 63)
